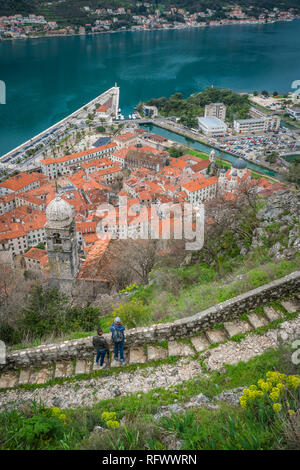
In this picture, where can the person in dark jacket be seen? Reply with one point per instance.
(101, 346)
(118, 338)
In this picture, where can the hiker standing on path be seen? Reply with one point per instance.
(102, 348)
(118, 338)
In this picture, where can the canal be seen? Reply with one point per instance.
(205, 148)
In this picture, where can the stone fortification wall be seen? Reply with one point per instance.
(183, 328)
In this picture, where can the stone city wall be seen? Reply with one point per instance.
(183, 328)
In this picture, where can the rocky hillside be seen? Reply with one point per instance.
(279, 225)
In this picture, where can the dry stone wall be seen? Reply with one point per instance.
(183, 328)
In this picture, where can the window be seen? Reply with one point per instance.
(57, 239)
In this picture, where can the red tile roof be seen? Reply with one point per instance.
(15, 183)
(49, 161)
(193, 186)
(102, 109)
(35, 253)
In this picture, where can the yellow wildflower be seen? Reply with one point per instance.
(109, 415)
(113, 424)
(277, 407)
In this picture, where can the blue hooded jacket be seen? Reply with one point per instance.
(119, 328)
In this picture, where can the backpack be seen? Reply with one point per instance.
(117, 335)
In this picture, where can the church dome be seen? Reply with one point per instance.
(59, 213)
(239, 164)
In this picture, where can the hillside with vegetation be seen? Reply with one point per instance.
(71, 12)
(252, 404)
(258, 245)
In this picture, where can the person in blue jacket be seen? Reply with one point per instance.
(118, 338)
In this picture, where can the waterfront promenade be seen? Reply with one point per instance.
(77, 116)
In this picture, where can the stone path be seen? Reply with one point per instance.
(180, 348)
(86, 393)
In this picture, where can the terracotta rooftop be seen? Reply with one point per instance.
(126, 136)
(199, 184)
(49, 161)
(102, 109)
(200, 166)
(15, 183)
(35, 253)
(177, 163)
(91, 269)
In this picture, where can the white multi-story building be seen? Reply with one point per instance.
(7, 203)
(14, 242)
(200, 190)
(217, 110)
(23, 182)
(54, 167)
(245, 126)
(212, 126)
(294, 112)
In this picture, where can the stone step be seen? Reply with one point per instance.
(271, 313)
(140, 355)
(237, 327)
(179, 348)
(200, 342)
(137, 355)
(80, 367)
(9, 380)
(89, 366)
(64, 369)
(290, 306)
(24, 377)
(155, 353)
(40, 376)
(257, 320)
(216, 336)
(114, 363)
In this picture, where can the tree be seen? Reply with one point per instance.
(232, 224)
(14, 287)
(131, 260)
(45, 311)
(275, 93)
(272, 158)
(294, 172)
(265, 93)
(255, 93)
(176, 152)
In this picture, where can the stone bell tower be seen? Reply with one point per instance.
(212, 163)
(61, 240)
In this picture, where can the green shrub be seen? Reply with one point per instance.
(257, 277)
(227, 293)
(8, 334)
(133, 313)
(36, 428)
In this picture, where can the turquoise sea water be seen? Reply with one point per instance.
(49, 78)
